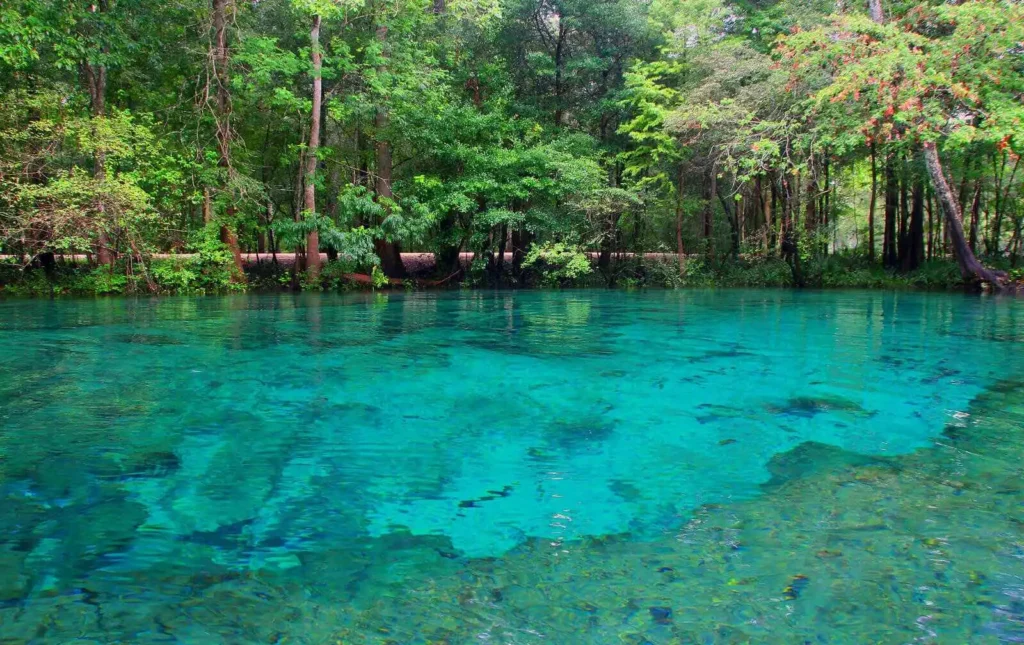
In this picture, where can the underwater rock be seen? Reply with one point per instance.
(807, 407)
(795, 587)
(713, 354)
(579, 433)
(154, 464)
(14, 582)
(626, 490)
(811, 457)
(661, 615)
(943, 373)
(491, 495)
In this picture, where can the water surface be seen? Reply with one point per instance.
(577, 467)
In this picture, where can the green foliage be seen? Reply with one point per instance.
(379, 279)
(354, 246)
(945, 70)
(558, 264)
(487, 125)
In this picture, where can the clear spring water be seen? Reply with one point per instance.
(575, 467)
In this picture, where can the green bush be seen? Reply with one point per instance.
(210, 269)
(558, 264)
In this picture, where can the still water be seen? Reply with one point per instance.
(515, 468)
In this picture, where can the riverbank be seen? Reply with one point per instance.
(199, 274)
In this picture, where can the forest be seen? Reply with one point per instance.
(183, 146)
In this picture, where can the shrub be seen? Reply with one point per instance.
(558, 264)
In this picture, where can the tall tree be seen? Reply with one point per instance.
(95, 74)
(220, 59)
(312, 148)
(388, 250)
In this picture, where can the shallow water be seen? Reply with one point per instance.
(577, 467)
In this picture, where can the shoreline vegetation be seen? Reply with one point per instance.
(194, 274)
(777, 143)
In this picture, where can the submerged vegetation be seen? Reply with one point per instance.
(776, 143)
(683, 466)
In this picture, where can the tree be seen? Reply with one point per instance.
(926, 80)
(309, 174)
(220, 59)
(388, 250)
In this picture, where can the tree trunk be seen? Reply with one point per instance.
(223, 117)
(499, 263)
(975, 215)
(608, 243)
(890, 257)
(902, 244)
(309, 194)
(709, 208)
(207, 206)
(1002, 196)
(811, 213)
(826, 210)
(769, 216)
(743, 211)
(875, 10)
(298, 195)
(914, 255)
(521, 239)
(790, 244)
(871, 207)
(930, 253)
(96, 80)
(970, 267)
(335, 180)
(794, 209)
(680, 252)
(389, 252)
(732, 216)
(559, 56)
(1013, 248)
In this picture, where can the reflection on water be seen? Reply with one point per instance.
(580, 467)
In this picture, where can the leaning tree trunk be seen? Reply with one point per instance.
(970, 267)
(220, 65)
(309, 193)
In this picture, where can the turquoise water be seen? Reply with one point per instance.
(577, 467)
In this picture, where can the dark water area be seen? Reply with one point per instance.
(542, 467)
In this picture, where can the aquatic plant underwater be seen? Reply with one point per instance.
(574, 467)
